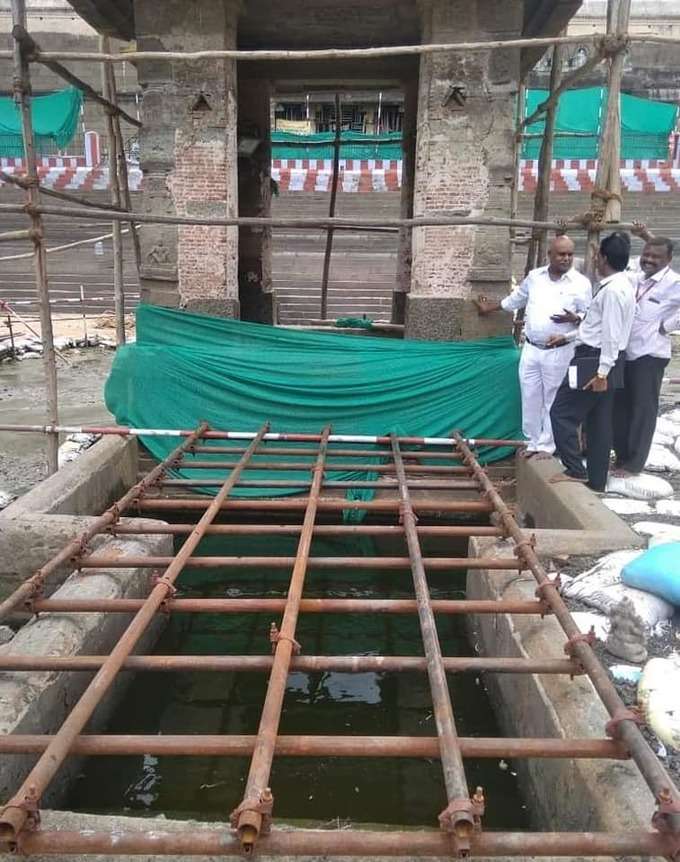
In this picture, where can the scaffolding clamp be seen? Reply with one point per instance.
(263, 807)
(588, 638)
(462, 818)
(612, 727)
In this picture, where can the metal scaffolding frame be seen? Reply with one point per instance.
(460, 822)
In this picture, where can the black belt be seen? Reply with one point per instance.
(542, 346)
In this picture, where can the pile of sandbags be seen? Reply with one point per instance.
(663, 456)
(74, 446)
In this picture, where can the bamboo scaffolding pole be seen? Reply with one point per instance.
(22, 96)
(249, 817)
(16, 235)
(331, 209)
(35, 55)
(116, 197)
(537, 243)
(415, 844)
(309, 606)
(458, 817)
(14, 817)
(320, 746)
(123, 179)
(292, 223)
(606, 195)
(623, 725)
(33, 586)
(341, 53)
(101, 561)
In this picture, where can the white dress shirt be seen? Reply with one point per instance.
(609, 320)
(543, 297)
(658, 302)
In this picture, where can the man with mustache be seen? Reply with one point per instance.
(657, 312)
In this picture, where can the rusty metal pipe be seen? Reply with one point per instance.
(459, 819)
(319, 746)
(436, 455)
(381, 484)
(347, 842)
(306, 664)
(305, 467)
(14, 815)
(101, 561)
(297, 504)
(74, 548)
(154, 528)
(248, 816)
(658, 780)
(309, 606)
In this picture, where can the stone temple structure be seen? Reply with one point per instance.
(200, 117)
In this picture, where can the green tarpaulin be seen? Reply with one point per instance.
(353, 145)
(645, 125)
(55, 119)
(187, 367)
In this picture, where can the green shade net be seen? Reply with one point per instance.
(353, 145)
(188, 367)
(55, 119)
(645, 125)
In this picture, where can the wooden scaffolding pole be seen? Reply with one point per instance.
(331, 209)
(123, 179)
(116, 200)
(606, 195)
(538, 242)
(22, 96)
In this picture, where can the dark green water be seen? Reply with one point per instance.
(357, 790)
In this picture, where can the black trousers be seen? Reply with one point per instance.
(635, 409)
(593, 410)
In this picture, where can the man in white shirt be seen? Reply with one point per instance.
(600, 342)
(657, 312)
(555, 297)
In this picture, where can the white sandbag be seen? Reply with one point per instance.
(662, 460)
(669, 508)
(628, 507)
(676, 446)
(660, 439)
(659, 699)
(601, 588)
(640, 487)
(6, 498)
(672, 416)
(74, 446)
(668, 425)
(658, 532)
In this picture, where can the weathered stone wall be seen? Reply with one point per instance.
(188, 149)
(463, 166)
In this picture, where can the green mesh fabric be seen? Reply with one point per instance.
(353, 145)
(188, 367)
(354, 323)
(645, 125)
(55, 119)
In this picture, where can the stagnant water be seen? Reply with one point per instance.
(306, 790)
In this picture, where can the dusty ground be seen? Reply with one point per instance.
(100, 326)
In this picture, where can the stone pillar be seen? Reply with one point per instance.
(188, 155)
(408, 161)
(256, 295)
(464, 150)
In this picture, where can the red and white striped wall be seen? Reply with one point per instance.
(71, 173)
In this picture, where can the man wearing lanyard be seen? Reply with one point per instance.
(657, 307)
(600, 342)
(556, 297)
